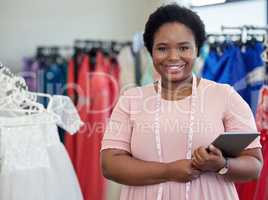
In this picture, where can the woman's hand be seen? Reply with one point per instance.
(205, 160)
(182, 171)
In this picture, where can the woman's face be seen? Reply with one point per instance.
(174, 51)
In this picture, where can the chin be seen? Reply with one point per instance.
(175, 77)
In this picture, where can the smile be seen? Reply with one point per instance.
(174, 68)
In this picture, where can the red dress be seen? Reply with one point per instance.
(258, 190)
(96, 91)
(97, 117)
(75, 143)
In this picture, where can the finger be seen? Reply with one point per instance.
(196, 165)
(197, 156)
(197, 160)
(203, 153)
(214, 150)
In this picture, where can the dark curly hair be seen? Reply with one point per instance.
(174, 13)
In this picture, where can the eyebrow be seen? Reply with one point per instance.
(179, 43)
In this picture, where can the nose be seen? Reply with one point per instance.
(173, 55)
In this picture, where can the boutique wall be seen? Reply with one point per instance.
(29, 23)
(251, 12)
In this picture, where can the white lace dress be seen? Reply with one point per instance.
(34, 164)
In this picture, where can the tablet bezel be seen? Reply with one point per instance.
(233, 143)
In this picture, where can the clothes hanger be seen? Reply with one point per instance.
(16, 101)
(13, 98)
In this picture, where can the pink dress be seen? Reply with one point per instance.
(219, 108)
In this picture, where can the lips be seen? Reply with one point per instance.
(174, 68)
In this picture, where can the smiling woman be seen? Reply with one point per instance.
(174, 52)
(163, 162)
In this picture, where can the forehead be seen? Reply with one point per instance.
(173, 33)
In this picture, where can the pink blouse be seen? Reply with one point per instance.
(219, 109)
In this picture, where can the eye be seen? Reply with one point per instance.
(162, 49)
(184, 48)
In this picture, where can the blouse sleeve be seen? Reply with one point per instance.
(239, 117)
(119, 129)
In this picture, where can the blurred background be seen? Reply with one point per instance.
(56, 43)
(30, 23)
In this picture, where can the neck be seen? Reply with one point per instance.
(177, 85)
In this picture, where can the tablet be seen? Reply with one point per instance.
(232, 143)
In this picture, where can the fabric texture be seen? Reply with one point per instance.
(75, 143)
(219, 109)
(98, 90)
(64, 109)
(127, 63)
(257, 190)
(239, 66)
(33, 162)
(254, 64)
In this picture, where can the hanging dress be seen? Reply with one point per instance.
(80, 92)
(257, 190)
(33, 162)
(94, 183)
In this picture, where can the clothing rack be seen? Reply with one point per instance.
(248, 30)
(242, 33)
(52, 50)
(235, 37)
(85, 45)
(244, 27)
(112, 45)
(100, 43)
(232, 34)
(54, 47)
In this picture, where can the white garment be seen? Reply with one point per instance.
(127, 66)
(34, 164)
(67, 115)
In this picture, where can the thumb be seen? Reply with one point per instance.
(214, 150)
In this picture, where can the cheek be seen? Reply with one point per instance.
(189, 60)
(157, 60)
(156, 65)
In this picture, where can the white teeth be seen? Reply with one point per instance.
(175, 66)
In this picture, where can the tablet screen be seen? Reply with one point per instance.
(232, 143)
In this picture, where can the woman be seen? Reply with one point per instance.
(155, 144)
